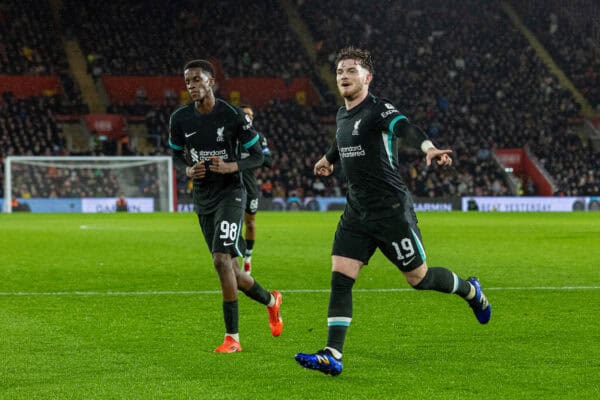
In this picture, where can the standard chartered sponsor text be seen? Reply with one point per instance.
(352, 151)
(206, 154)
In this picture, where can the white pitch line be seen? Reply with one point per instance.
(205, 292)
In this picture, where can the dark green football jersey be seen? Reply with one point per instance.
(219, 133)
(249, 175)
(368, 153)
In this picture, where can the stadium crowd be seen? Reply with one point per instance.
(248, 38)
(570, 31)
(29, 127)
(28, 42)
(30, 45)
(461, 71)
(52, 182)
(467, 75)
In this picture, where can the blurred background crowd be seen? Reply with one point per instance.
(476, 75)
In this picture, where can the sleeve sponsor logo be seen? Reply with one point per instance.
(391, 110)
(248, 124)
(388, 113)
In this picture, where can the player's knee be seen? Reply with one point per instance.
(418, 277)
(423, 284)
(222, 262)
(250, 224)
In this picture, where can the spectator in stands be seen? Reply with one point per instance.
(267, 189)
(121, 205)
(18, 206)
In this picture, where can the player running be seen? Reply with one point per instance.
(379, 211)
(251, 185)
(206, 135)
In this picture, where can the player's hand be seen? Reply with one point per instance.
(323, 167)
(441, 156)
(217, 165)
(196, 171)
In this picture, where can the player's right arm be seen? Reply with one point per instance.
(324, 167)
(177, 145)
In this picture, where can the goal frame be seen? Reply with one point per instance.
(7, 207)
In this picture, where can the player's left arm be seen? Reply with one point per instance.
(397, 124)
(267, 156)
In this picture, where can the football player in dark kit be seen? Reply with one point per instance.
(206, 135)
(379, 211)
(251, 185)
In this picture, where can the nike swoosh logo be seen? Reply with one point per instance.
(227, 244)
(187, 135)
(406, 262)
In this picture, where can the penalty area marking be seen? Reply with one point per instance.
(208, 292)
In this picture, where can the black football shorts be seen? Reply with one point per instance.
(397, 236)
(252, 203)
(222, 229)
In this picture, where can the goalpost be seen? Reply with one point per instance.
(88, 184)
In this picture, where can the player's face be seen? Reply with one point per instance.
(198, 83)
(352, 78)
(249, 112)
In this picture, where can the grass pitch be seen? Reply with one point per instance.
(128, 306)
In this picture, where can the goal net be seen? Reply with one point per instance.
(88, 184)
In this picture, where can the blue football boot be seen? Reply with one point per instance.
(480, 304)
(322, 361)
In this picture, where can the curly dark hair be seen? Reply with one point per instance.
(354, 53)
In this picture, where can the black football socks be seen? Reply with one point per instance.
(443, 280)
(339, 314)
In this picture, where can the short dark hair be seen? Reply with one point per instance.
(246, 106)
(354, 53)
(202, 64)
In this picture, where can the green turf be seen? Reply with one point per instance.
(127, 307)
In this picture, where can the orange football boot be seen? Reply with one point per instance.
(275, 321)
(230, 345)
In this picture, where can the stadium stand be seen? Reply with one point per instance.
(28, 126)
(570, 31)
(30, 45)
(248, 38)
(461, 71)
(465, 74)
(61, 183)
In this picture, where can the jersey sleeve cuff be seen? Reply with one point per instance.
(426, 145)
